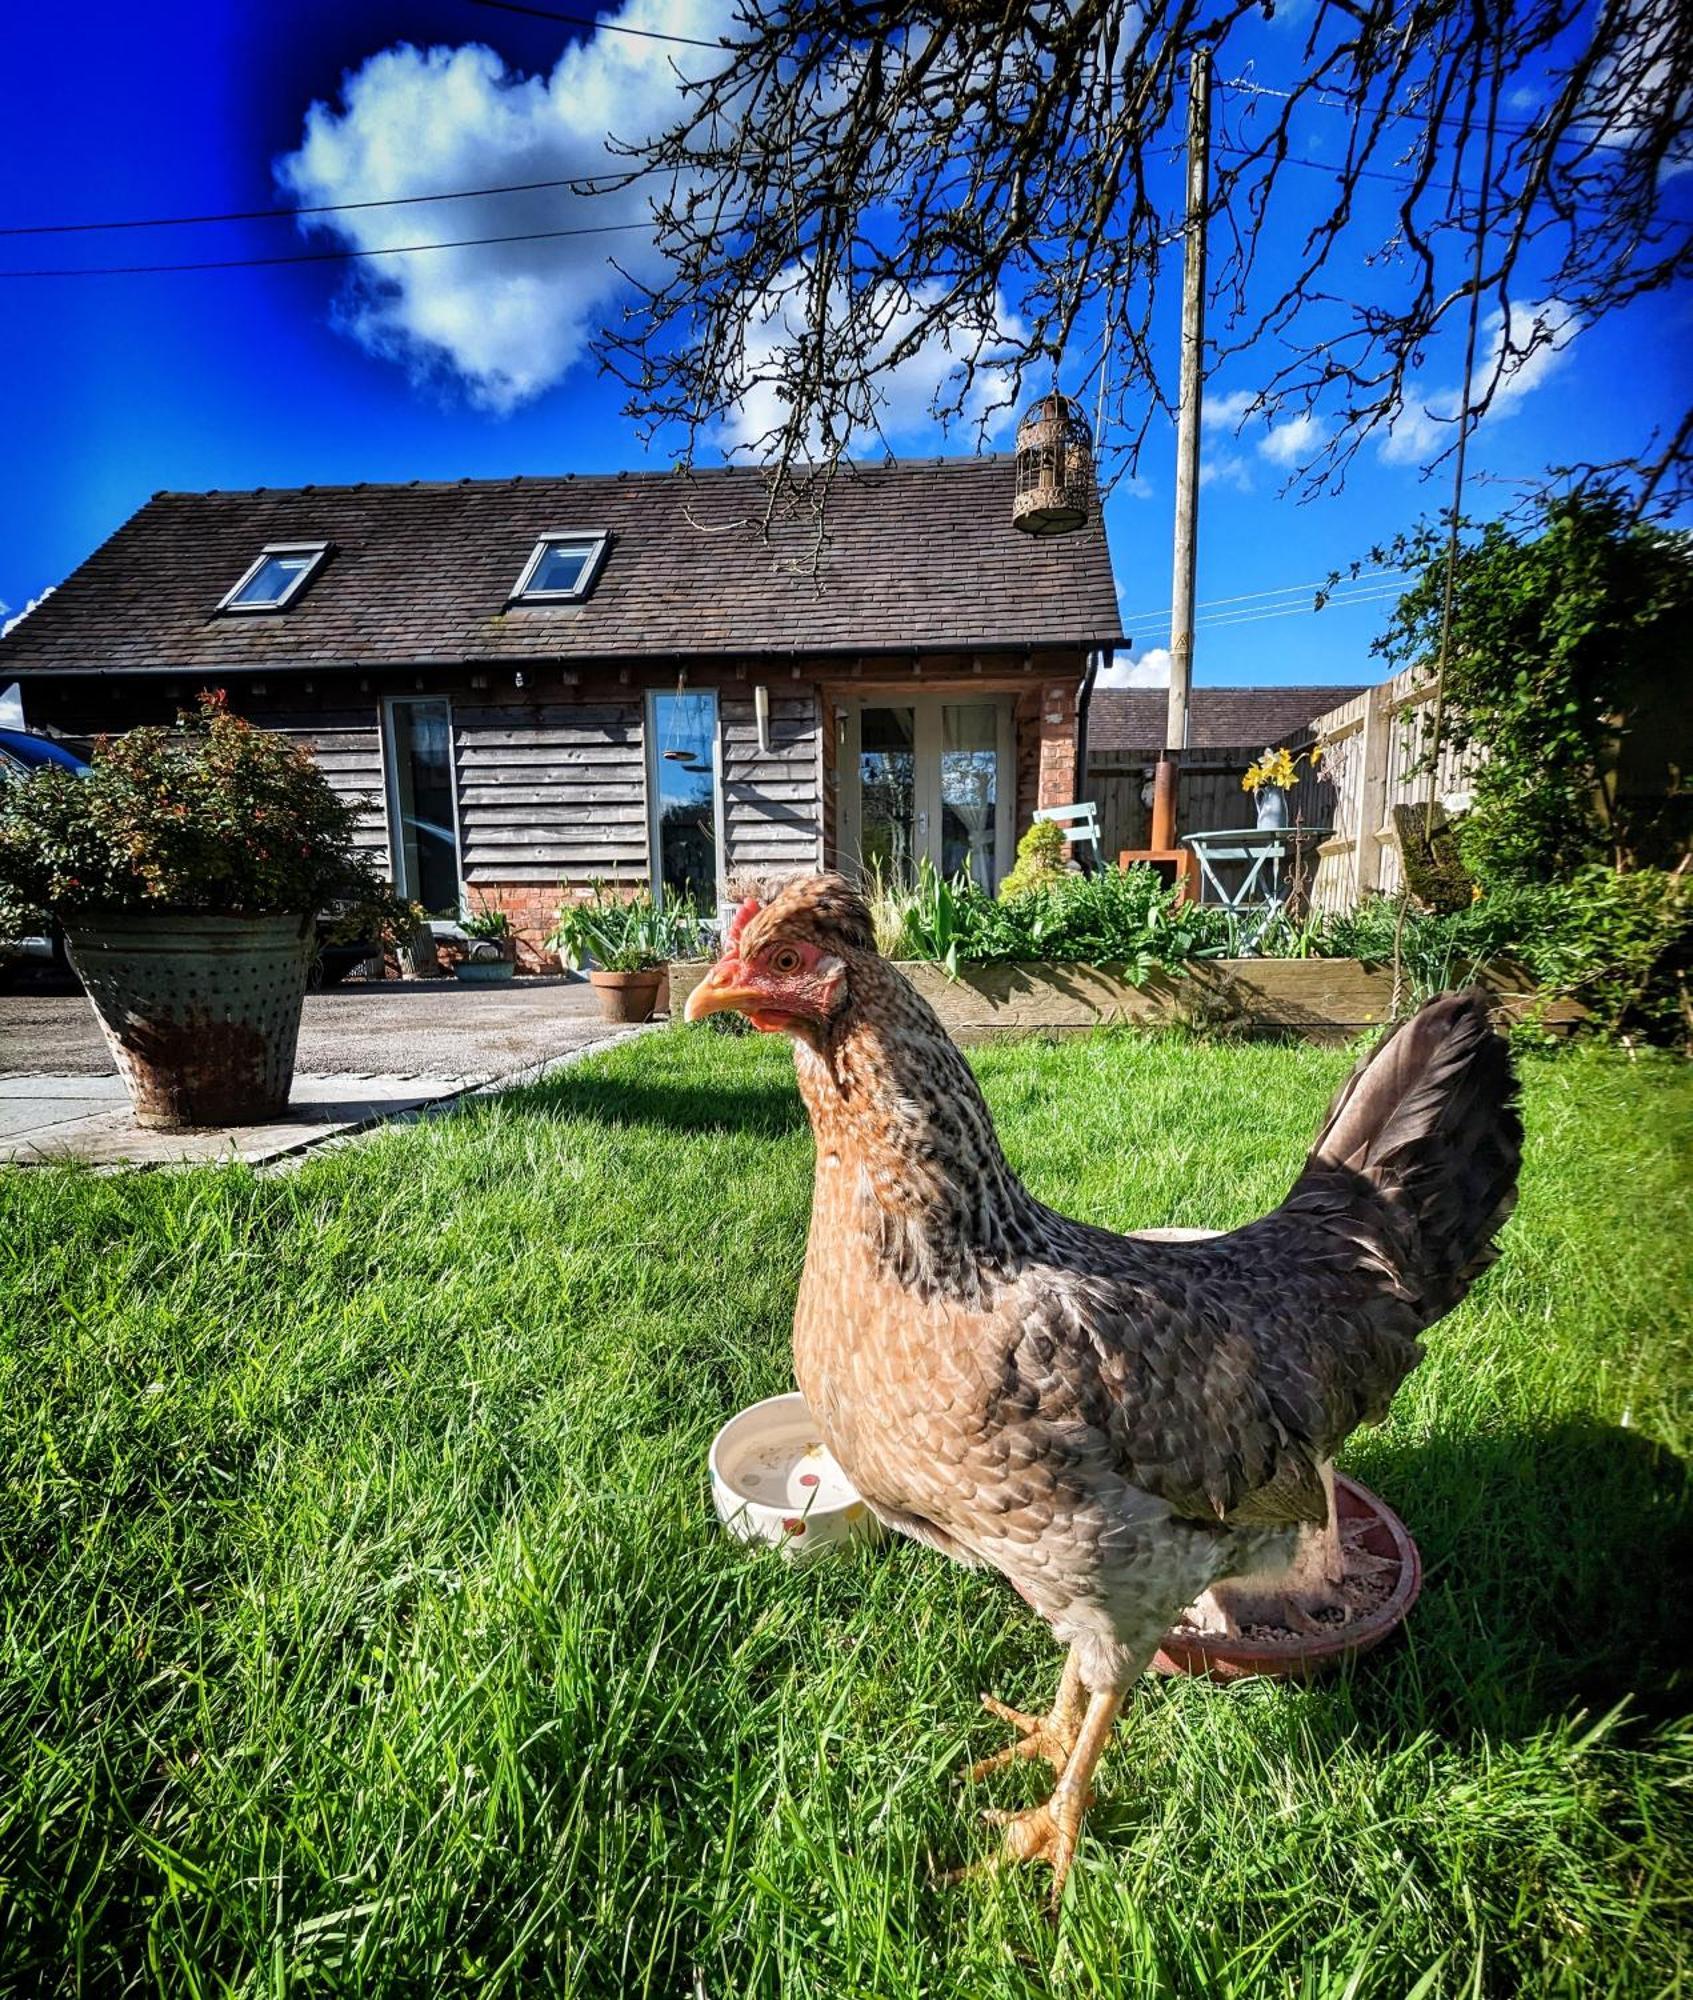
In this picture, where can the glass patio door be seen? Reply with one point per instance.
(927, 780)
(887, 793)
(685, 796)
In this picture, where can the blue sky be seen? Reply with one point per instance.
(113, 387)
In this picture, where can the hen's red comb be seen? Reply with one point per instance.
(742, 917)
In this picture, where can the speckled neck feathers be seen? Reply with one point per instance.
(904, 1132)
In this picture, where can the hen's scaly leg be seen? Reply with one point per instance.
(1049, 1833)
(1050, 1736)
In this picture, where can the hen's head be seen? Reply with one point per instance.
(788, 964)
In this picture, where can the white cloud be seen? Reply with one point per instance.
(1292, 443)
(10, 624)
(1633, 95)
(506, 319)
(1150, 669)
(1527, 343)
(1224, 413)
(1285, 444)
(901, 405)
(1229, 469)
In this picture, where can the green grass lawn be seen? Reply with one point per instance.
(365, 1628)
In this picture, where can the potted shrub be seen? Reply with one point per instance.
(187, 868)
(626, 944)
(491, 956)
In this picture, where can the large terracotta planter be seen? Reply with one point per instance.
(201, 1013)
(628, 996)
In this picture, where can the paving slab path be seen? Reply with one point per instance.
(366, 1054)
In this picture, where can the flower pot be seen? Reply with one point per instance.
(627, 996)
(1271, 802)
(484, 971)
(201, 1013)
(1375, 1538)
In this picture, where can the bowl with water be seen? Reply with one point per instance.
(773, 1481)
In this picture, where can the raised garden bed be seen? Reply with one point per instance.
(1326, 999)
(1323, 999)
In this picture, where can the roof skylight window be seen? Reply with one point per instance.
(561, 570)
(276, 578)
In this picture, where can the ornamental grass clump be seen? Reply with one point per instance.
(212, 817)
(615, 933)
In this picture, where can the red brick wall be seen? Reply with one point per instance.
(530, 907)
(1056, 780)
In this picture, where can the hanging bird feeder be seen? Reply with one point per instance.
(1055, 490)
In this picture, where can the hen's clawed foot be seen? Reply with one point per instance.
(1043, 1833)
(1050, 1736)
(1076, 1732)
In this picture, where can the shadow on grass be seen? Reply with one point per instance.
(771, 1110)
(1556, 1566)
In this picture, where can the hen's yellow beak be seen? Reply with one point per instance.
(726, 989)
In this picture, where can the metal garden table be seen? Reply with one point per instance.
(1256, 896)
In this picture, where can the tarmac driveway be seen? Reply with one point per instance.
(366, 1054)
(396, 1028)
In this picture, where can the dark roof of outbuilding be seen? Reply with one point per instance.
(919, 554)
(1227, 717)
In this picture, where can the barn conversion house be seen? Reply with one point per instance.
(538, 683)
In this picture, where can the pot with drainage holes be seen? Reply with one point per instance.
(201, 1013)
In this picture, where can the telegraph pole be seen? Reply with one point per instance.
(1188, 409)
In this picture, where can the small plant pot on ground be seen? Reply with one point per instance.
(1383, 1575)
(628, 996)
(487, 963)
(201, 1013)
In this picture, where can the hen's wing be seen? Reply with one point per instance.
(1223, 1372)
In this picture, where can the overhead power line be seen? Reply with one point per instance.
(321, 256)
(1248, 88)
(591, 183)
(594, 21)
(1382, 576)
(1216, 621)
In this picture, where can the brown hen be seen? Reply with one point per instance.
(1114, 1423)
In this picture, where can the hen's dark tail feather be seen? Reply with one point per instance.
(1430, 1122)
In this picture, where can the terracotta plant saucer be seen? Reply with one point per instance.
(1368, 1526)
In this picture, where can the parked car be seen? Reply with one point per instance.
(22, 751)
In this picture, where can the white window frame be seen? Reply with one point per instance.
(316, 550)
(655, 856)
(596, 540)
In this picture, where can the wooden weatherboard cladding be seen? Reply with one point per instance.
(551, 791)
(772, 799)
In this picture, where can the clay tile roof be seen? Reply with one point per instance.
(1220, 717)
(918, 554)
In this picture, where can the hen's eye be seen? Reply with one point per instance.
(784, 959)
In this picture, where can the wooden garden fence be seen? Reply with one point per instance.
(1375, 760)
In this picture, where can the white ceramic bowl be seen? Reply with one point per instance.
(772, 1481)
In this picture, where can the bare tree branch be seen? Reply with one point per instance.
(859, 182)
